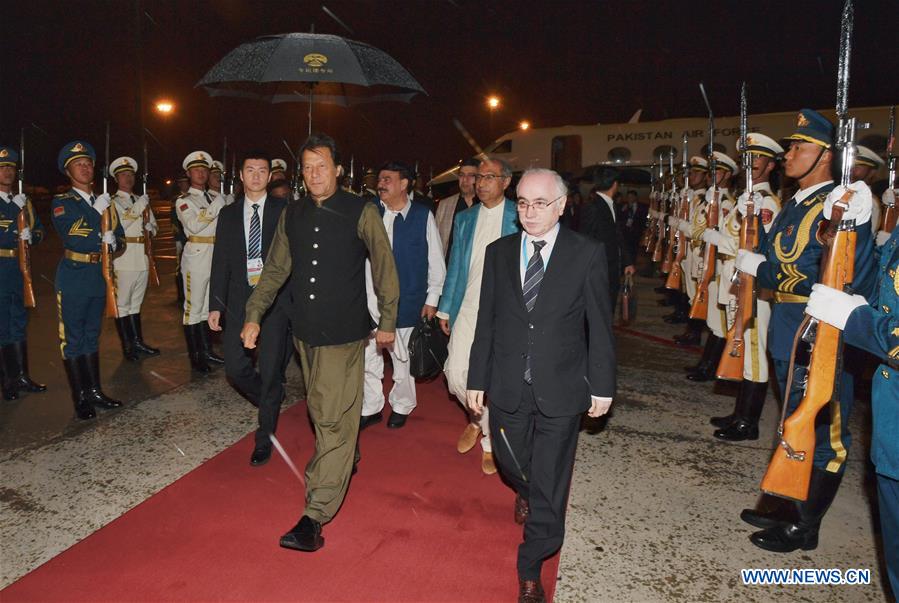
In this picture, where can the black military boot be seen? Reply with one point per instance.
(9, 391)
(705, 370)
(803, 534)
(770, 512)
(197, 362)
(84, 410)
(206, 345)
(90, 375)
(745, 426)
(138, 332)
(693, 333)
(19, 377)
(123, 328)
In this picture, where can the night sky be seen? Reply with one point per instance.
(68, 67)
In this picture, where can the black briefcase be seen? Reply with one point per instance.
(427, 349)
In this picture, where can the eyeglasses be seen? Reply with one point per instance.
(538, 204)
(488, 177)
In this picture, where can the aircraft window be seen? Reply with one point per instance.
(503, 146)
(619, 155)
(718, 147)
(664, 151)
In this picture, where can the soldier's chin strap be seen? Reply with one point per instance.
(814, 165)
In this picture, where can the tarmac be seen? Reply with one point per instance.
(654, 503)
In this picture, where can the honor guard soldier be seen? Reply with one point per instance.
(14, 376)
(80, 287)
(788, 264)
(692, 229)
(715, 318)
(183, 183)
(867, 164)
(198, 210)
(132, 268)
(743, 422)
(874, 327)
(370, 185)
(279, 169)
(216, 174)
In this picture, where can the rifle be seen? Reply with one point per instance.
(646, 241)
(233, 175)
(789, 471)
(891, 212)
(673, 210)
(675, 276)
(295, 178)
(224, 168)
(700, 308)
(112, 309)
(148, 236)
(21, 224)
(659, 235)
(730, 367)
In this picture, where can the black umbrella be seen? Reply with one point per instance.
(306, 67)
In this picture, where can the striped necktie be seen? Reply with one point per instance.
(533, 276)
(254, 244)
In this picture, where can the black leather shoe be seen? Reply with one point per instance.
(90, 365)
(139, 344)
(701, 375)
(305, 536)
(786, 538)
(261, 455)
(675, 318)
(738, 431)
(367, 421)
(18, 370)
(530, 591)
(688, 339)
(396, 420)
(722, 422)
(764, 519)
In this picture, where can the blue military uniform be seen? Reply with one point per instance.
(13, 316)
(875, 328)
(80, 287)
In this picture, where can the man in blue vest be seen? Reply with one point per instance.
(418, 253)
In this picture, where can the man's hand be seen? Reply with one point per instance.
(743, 199)
(475, 399)
(882, 237)
(213, 320)
(383, 339)
(428, 311)
(249, 334)
(19, 200)
(629, 270)
(109, 238)
(749, 262)
(598, 406)
(140, 204)
(832, 306)
(25, 234)
(444, 326)
(101, 203)
(860, 202)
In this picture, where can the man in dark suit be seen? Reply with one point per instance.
(631, 220)
(542, 371)
(598, 221)
(243, 233)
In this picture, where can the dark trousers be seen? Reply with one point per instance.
(80, 320)
(544, 447)
(888, 499)
(832, 437)
(263, 387)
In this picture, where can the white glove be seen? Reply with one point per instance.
(712, 236)
(672, 221)
(140, 204)
(25, 234)
(860, 203)
(653, 214)
(109, 238)
(101, 203)
(882, 237)
(19, 200)
(888, 198)
(229, 199)
(685, 227)
(149, 227)
(709, 193)
(743, 199)
(749, 262)
(832, 306)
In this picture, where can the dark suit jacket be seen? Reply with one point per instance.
(228, 286)
(566, 368)
(597, 222)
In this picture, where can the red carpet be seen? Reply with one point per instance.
(420, 523)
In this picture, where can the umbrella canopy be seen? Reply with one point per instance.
(306, 67)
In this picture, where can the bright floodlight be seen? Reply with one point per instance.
(524, 125)
(165, 107)
(493, 102)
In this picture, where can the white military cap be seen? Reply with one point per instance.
(122, 164)
(868, 157)
(218, 166)
(279, 165)
(762, 145)
(725, 162)
(699, 163)
(197, 159)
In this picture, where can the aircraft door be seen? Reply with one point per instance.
(566, 153)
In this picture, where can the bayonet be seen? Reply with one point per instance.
(22, 161)
(106, 162)
(224, 172)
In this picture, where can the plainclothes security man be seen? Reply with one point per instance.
(80, 287)
(742, 424)
(14, 376)
(788, 263)
(692, 229)
(872, 324)
(198, 211)
(132, 268)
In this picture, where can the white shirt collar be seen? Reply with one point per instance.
(249, 204)
(803, 194)
(404, 212)
(195, 191)
(84, 195)
(549, 236)
(7, 196)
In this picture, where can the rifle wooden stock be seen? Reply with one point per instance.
(148, 249)
(673, 236)
(730, 368)
(788, 475)
(648, 240)
(112, 309)
(700, 308)
(25, 262)
(659, 247)
(889, 218)
(676, 274)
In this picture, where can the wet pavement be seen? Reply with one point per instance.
(654, 505)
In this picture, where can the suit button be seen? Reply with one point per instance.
(312, 296)
(315, 262)
(312, 280)
(530, 326)
(316, 229)
(315, 245)
(886, 309)
(885, 373)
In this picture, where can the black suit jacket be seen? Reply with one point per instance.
(597, 222)
(566, 367)
(228, 286)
